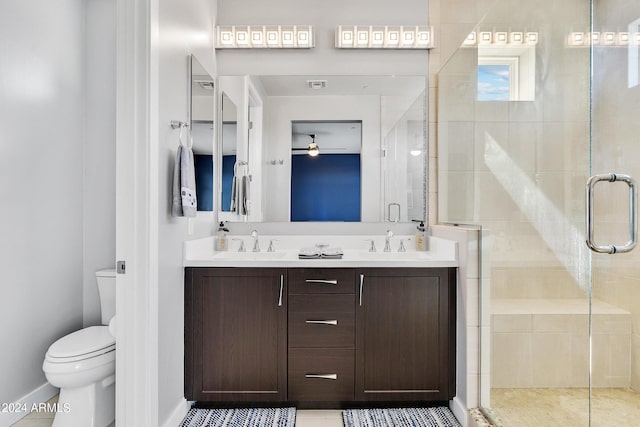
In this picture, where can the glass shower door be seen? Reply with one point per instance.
(615, 357)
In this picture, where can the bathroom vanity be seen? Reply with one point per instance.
(320, 333)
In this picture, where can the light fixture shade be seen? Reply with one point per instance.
(264, 36)
(383, 37)
(313, 149)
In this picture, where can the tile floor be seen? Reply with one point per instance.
(566, 407)
(38, 419)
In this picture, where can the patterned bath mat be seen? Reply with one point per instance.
(243, 417)
(400, 417)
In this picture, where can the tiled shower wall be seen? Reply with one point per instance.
(546, 142)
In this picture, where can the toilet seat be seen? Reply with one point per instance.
(80, 345)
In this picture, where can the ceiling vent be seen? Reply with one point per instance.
(316, 84)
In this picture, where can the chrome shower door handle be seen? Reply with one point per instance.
(633, 226)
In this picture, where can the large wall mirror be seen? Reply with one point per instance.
(363, 137)
(202, 115)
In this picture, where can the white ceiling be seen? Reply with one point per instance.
(331, 137)
(343, 85)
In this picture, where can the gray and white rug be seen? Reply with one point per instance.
(242, 417)
(400, 417)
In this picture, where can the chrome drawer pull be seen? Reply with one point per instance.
(323, 281)
(281, 287)
(322, 322)
(323, 376)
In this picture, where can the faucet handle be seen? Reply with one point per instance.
(271, 248)
(402, 248)
(372, 247)
(241, 248)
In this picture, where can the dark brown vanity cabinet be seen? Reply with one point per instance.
(405, 334)
(320, 337)
(236, 334)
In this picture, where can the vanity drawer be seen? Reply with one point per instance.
(321, 375)
(322, 281)
(322, 320)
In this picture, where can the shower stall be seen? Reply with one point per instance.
(534, 99)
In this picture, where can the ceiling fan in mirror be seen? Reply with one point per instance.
(313, 149)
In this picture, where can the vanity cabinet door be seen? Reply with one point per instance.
(235, 334)
(405, 334)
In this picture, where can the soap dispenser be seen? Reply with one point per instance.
(221, 237)
(420, 237)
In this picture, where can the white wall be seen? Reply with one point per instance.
(182, 28)
(99, 176)
(41, 185)
(282, 110)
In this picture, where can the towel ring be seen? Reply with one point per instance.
(190, 137)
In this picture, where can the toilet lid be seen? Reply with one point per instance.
(83, 342)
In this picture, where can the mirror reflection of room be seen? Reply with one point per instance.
(229, 149)
(325, 171)
(202, 132)
(276, 114)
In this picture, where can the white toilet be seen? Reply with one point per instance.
(83, 365)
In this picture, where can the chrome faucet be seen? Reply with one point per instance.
(256, 242)
(387, 241)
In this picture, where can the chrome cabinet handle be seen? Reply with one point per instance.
(322, 322)
(281, 287)
(322, 376)
(323, 281)
(633, 227)
(361, 284)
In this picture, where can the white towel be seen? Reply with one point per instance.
(184, 184)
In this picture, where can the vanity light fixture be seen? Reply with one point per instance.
(516, 37)
(623, 38)
(531, 38)
(470, 40)
(608, 38)
(383, 37)
(576, 39)
(500, 38)
(604, 38)
(264, 36)
(486, 37)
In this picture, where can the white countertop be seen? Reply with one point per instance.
(200, 253)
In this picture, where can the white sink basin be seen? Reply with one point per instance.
(249, 255)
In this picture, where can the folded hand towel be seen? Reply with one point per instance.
(309, 253)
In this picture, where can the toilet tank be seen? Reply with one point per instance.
(107, 289)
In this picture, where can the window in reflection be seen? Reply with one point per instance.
(494, 82)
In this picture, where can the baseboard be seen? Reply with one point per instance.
(21, 407)
(460, 411)
(177, 415)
